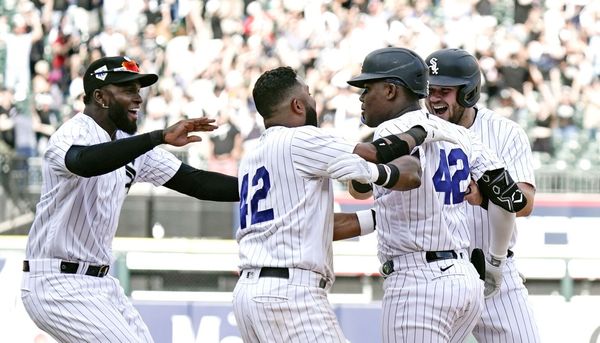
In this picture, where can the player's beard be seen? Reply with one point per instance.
(311, 116)
(120, 116)
(456, 114)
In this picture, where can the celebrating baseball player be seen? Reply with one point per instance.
(286, 212)
(432, 292)
(90, 163)
(454, 89)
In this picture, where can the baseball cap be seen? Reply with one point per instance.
(114, 70)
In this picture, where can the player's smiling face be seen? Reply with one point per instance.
(442, 102)
(123, 105)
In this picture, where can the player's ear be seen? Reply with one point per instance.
(98, 97)
(297, 106)
(391, 90)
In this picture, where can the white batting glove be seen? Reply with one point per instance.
(493, 275)
(352, 167)
(435, 132)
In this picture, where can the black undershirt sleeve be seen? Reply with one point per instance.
(99, 159)
(204, 185)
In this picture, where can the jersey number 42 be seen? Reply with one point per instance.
(447, 183)
(261, 177)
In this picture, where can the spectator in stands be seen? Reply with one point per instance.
(26, 30)
(554, 44)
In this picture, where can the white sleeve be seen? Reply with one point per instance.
(482, 159)
(157, 166)
(517, 153)
(502, 224)
(312, 150)
(61, 142)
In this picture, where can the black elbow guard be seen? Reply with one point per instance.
(498, 187)
(390, 148)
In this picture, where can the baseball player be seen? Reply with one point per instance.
(286, 212)
(432, 292)
(90, 163)
(454, 90)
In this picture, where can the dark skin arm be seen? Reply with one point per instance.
(369, 153)
(409, 166)
(345, 225)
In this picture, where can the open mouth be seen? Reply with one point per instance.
(133, 113)
(439, 110)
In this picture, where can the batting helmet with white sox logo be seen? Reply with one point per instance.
(456, 67)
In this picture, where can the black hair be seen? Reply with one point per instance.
(271, 88)
(87, 99)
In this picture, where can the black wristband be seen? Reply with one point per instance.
(387, 152)
(418, 133)
(394, 176)
(157, 137)
(361, 187)
(383, 175)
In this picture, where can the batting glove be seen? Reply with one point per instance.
(493, 275)
(352, 167)
(435, 132)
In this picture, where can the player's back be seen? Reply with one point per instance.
(286, 206)
(510, 143)
(431, 217)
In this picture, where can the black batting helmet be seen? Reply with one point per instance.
(394, 63)
(456, 67)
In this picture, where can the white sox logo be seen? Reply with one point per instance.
(130, 173)
(433, 66)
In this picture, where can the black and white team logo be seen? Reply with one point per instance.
(130, 172)
(433, 66)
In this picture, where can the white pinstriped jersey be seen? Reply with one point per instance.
(511, 144)
(286, 206)
(76, 217)
(431, 217)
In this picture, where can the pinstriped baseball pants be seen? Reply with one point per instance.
(437, 302)
(270, 309)
(507, 317)
(79, 308)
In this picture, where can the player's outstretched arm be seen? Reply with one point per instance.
(178, 134)
(401, 174)
(99, 159)
(204, 185)
(389, 148)
(349, 225)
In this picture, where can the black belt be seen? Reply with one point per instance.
(282, 273)
(430, 256)
(72, 267)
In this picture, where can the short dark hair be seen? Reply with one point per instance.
(271, 88)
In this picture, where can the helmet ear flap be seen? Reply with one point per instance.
(468, 95)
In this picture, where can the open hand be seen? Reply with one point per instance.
(178, 134)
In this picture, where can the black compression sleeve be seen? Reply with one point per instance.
(98, 159)
(204, 185)
(418, 133)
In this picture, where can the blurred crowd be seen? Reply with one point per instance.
(540, 61)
